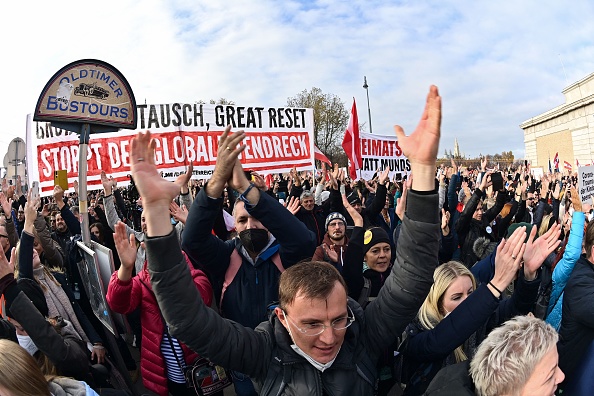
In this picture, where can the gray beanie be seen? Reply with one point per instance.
(333, 216)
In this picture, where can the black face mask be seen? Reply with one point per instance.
(254, 240)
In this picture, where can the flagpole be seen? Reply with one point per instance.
(368, 108)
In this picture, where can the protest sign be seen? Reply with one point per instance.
(379, 152)
(277, 139)
(586, 183)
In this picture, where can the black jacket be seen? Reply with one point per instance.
(469, 229)
(452, 380)
(264, 353)
(577, 324)
(427, 351)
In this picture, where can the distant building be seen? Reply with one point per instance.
(567, 129)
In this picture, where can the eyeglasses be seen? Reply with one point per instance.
(336, 224)
(314, 329)
(3, 236)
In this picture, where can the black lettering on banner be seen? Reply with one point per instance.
(141, 109)
(272, 118)
(153, 121)
(230, 114)
(177, 116)
(165, 122)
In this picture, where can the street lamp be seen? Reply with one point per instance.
(368, 108)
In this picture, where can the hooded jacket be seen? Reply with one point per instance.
(265, 353)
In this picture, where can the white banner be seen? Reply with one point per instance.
(379, 152)
(586, 183)
(277, 139)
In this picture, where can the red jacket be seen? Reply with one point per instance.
(125, 297)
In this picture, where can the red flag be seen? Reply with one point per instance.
(567, 165)
(351, 143)
(268, 179)
(320, 156)
(556, 162)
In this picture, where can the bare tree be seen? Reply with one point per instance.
(330, 118)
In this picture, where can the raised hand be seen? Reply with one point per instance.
(259, 181)
(384, 176)
(126, 248)
(330, 252)
(401, 207)
(357, 219)
(537, 251)
(178, 213)
(183, 179)
(227, 157)
(6, 267)
(508, 258)
(293, 205)
(576, 201)
(107, 181)
(6, 207)
(445, 222)
(421, 146)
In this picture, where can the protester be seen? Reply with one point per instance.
(335, 244)
(245, 270)
(474, 220)
(518, 358)
(457, 315)
(161, 371)
(21, 376)
(313, 297)
(577, 322)
(563, 269)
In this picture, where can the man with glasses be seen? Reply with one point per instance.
(335, 243)
(317, 341)
(4, 241)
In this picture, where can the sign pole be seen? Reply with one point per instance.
(85, 134)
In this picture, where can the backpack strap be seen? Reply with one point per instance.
(364, 298)
(235, 261)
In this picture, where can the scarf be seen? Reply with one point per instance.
(57, 301)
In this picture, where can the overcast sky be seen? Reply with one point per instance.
(496, 63)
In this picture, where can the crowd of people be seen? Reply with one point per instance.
(449, 281)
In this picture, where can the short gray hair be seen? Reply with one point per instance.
(505, 360)
(305, 194)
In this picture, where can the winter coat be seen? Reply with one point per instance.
(256, 283)
(577, 324)
(125, 297)
(452, 380)
(563, 269)
(427, 351)
(469, 229)
(265, 353)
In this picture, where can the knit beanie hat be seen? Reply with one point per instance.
(334, 216)
(353, 198)
(514, 226)
(373, 236)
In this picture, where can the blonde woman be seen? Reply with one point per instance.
(21, 376)
(457, 315)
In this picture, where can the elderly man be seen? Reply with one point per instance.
(316, 341)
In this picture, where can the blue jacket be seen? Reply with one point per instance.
(256, 284)
(564, 268)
